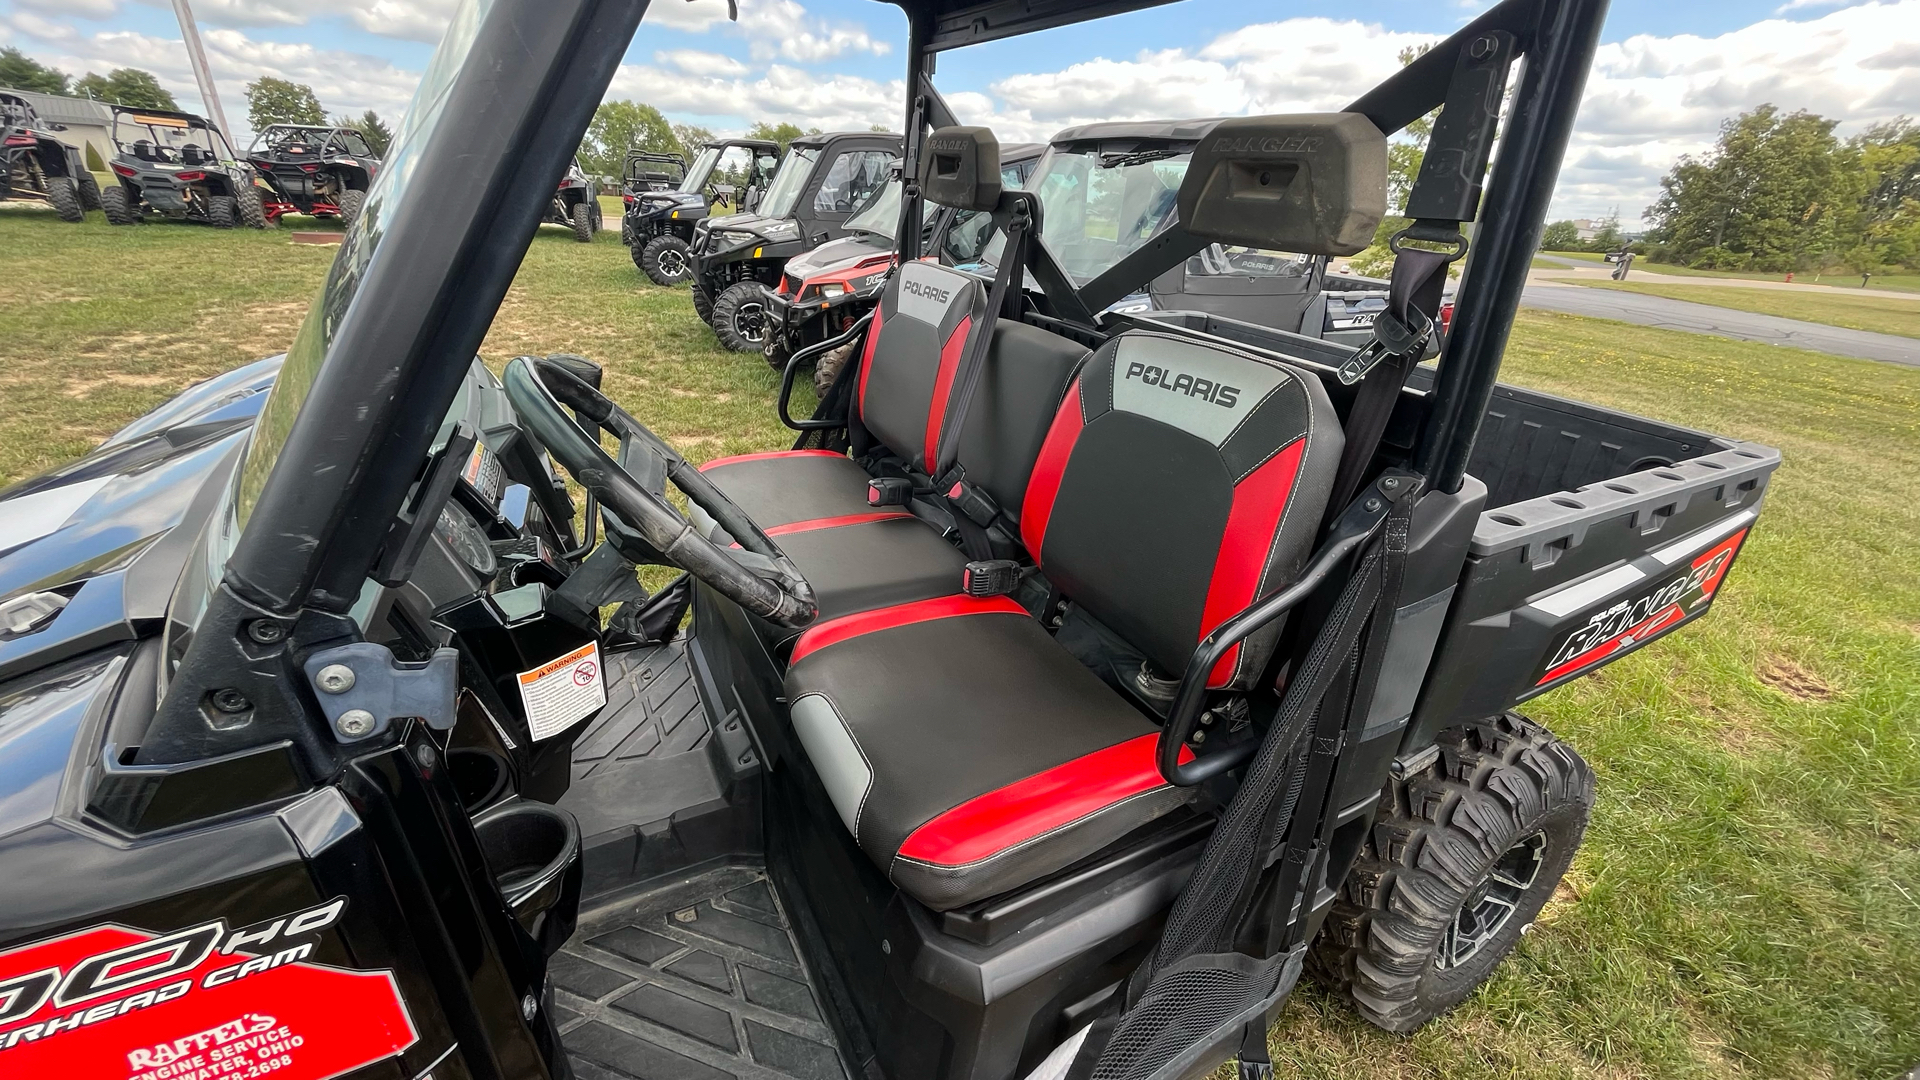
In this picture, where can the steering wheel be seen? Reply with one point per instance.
(641, 523)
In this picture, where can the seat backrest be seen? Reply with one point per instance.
(1178, 482)
(912, 354)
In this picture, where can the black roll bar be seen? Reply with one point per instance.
(793, 365)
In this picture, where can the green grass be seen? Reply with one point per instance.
(1840, 279)
(1880, 314)
(1748, 901)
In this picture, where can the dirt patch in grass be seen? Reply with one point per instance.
(1795, 681)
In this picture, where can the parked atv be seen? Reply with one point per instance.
(574, 204)
(1074, 685)
(658, 226)
(321, 171)
(825, 291)
(738, 258)
(176, 165)
(37, 165)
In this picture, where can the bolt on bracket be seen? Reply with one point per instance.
(376, 684)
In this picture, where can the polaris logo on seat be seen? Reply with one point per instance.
(1182, 383)
(1252, 144)
(931, 292)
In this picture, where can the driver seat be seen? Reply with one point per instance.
(968, 752)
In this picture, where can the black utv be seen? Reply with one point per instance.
(1072, 685)
(37, 165)
(575, 205)
(822, 181)
(178, 166)
(647, 171)
(322, 171)
(658, 225)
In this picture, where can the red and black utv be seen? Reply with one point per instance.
(823, 292)
(1069, 688)
(176, 165)
(314, 169)
(35, 164)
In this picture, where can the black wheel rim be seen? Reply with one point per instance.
(750, 322)
(672, 264)
(1490, 907)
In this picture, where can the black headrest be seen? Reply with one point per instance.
(960, 167)
(1315, 183)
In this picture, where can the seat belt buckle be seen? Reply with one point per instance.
(1391, 337)
(889, 491)
(974, 503)
(990, 577)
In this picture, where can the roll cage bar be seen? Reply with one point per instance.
(417, 283)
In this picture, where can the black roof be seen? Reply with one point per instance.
(969, 22)
(828, 136)
(1021, 151)
(1168, 130)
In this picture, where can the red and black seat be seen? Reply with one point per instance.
(814, 502)
(966, 750)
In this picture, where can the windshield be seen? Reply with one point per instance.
(881, 216)
(697, 172)
(1103, 206)
(170, 139)
(784, 192)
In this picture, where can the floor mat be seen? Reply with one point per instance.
(652, 710)
(699, 980)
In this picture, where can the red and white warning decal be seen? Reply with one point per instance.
(563, 691)
(1628, 623)
(202, 1003)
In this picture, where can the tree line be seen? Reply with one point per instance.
(121, 86)
(1781, 191)
(619, 126)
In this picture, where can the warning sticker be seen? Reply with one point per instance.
(560, 693)
(203, 1003)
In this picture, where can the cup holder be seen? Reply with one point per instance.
(533, 851)
(482, 777)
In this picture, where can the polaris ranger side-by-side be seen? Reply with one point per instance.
(314, 169)
(35, 164)
(176, 165)
(1072, 685)
(739, 257)
(658, 226)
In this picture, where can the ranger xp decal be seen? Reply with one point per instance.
(1631, 622)
(200, 1003)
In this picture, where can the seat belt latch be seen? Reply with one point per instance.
(889, 491)
(973, 502)
(1391, 337)
(990, 577)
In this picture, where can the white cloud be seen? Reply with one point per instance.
(346, 82)
(782, 93)
(411, 20)
(85, 9)
(695, 62)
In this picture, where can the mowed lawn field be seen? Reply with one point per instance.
(1748, 901)
(1834, 307)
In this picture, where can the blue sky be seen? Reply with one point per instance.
(1667, 75)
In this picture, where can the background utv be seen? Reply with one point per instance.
(36, 165)
(322, 171)
(176, 165)
(658, 225)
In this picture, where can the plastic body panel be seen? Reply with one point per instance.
(1558, 585)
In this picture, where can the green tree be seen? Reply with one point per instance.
(127, 86)
(23, 72)
(1560, 236)
(781, 133)
(619, 126)
(371, 128)
(1890, 213)
(690, 138)
(277, 101)
(1776, 192)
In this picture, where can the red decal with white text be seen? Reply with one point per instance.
(1631, 622)
(200, 1003)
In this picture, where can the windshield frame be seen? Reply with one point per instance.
(699, 169)
(882, 206)
(783, 194)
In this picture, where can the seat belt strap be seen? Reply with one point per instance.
(1004, 293)
(1381, 367)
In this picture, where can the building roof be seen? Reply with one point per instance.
(54, 109)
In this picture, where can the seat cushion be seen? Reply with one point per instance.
(865, 561)
(968, 753)
(786, 486)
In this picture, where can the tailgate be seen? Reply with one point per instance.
(1557, 586)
